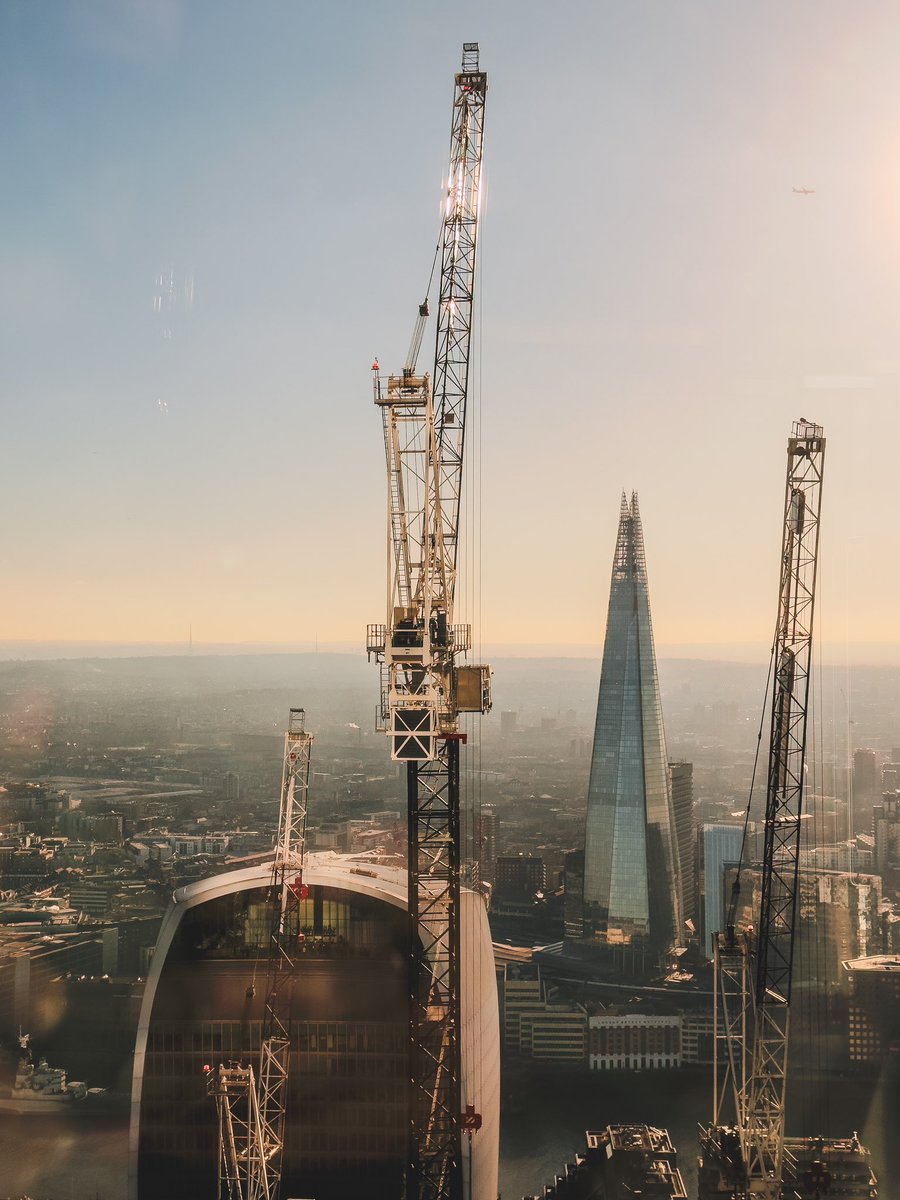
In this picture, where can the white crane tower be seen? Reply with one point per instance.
(251, 1108)
(423, 687)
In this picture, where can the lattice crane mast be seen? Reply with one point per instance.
(424, 688)
(251, 1107)
(754, 968)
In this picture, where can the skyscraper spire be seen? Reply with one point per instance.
(631, 872)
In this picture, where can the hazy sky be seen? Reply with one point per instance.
(657, 306)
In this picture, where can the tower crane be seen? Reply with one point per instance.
(423, 687)
(251, 1106)
(754, 968)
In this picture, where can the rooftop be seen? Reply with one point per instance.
(874, 962)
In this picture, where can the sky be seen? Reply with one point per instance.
(213, 216)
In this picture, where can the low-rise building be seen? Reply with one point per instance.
(830, 1166)
(618, 1163)
(629, 1041)
(873, 1013)
(534, 1025)
(697, 1037)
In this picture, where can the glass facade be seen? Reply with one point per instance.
(347, 1111)
(632, 890)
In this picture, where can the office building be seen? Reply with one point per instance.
(681, 781)
(840, 919)
(573, 900)
(534, 1025)
(865, 774)
(618, 1163)
(487, 822)
(886, 828)
(632, 888)
(843, 1164)
(697, 1036)
(348, 1085)
(30, 957)
(873, 1016)
(519, 876)
(719, 847)
(619, 1040)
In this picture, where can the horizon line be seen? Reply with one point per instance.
(740, 653)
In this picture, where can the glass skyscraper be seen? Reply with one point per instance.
(720, 847)
(632, 891)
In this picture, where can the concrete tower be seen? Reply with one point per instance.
(632, 891)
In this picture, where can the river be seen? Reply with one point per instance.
(545, 1115)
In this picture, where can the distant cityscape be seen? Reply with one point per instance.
(128, 779)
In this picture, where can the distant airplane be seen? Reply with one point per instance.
(804, 191)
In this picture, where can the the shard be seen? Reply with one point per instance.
(631, 869)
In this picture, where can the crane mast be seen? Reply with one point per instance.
(251, 1107)
(784, 807)
(754, 997)
(423, 687)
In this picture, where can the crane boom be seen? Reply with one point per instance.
(252, 1107)
(457, 296)
(423, 688)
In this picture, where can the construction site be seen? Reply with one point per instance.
(353, 1048)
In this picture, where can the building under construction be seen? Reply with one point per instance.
(620, 1162)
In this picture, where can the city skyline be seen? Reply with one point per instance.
(632, 873)
(163, 770)
(195, 254)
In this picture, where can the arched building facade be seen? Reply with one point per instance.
(347, 1100)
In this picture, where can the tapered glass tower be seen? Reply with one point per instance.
(631, 870)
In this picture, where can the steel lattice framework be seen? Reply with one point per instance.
(433, 848)
(752, 1020)
(242, 1159)
(251, 1109)
(457, 294)
(423, 688)
(784, 806)
(730, 1025)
